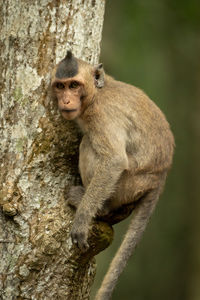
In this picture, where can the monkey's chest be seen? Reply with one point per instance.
(87, 161)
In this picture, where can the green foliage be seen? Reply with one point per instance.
(155, 45)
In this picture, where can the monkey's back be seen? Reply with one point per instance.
(149, 139)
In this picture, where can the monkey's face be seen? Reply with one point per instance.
(69, 93)
(75, 83)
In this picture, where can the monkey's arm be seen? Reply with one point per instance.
(106, 175)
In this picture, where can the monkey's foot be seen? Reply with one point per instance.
(116, 215)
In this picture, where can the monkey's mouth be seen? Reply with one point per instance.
(68, 110)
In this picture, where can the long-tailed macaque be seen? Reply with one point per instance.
(125, 154)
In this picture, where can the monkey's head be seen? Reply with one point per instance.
(75, 84)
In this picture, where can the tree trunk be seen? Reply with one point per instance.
(38, 160)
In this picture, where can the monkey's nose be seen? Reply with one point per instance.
(66, 101)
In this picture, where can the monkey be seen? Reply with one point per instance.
(125, 154)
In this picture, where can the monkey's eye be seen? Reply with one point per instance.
(60, 85)
(73, 85)
(97, 76)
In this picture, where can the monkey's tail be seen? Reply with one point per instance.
(141, 216)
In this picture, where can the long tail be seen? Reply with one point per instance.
(136, 228)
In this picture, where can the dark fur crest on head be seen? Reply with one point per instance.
(68, 67)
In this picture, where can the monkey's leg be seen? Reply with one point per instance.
(136, 228)
(75, 195)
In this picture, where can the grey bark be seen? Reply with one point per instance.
(38, 150)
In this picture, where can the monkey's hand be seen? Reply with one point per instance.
(75, 195)
(79, 233)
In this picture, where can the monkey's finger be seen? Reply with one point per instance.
(74, 241)
(71, 202)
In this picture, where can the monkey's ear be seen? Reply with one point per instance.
(99, 76)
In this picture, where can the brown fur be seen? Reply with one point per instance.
(125, 154)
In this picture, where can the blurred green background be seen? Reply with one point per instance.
(155, 45)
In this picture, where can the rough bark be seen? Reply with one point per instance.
(38, 150)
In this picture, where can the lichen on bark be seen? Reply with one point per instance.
(39, 150)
